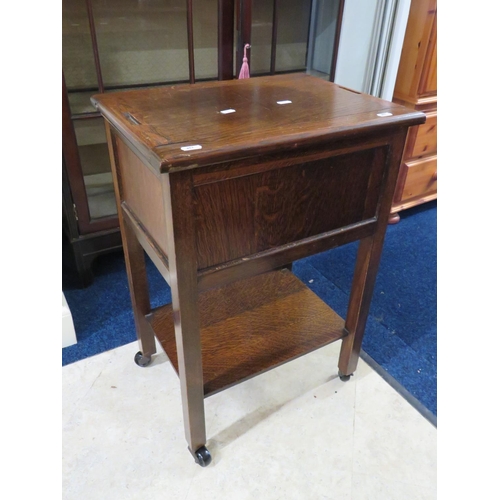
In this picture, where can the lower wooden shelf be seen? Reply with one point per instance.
(251, 326)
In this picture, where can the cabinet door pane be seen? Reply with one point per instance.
(77, 56)
(141, 42)
(293, 28)
(323, 29)
(262, 30)
(205, 38)
(304, 30)
(94, 159)
(79, 101)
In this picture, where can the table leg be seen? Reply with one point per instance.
(188, 340)
(135, 264)
(365, 274)
(182, 261)
(139, 292)
(367, 263)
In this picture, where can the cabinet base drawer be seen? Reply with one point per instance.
(421, 178)
(422, 140)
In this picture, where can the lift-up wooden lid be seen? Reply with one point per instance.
(187, 126)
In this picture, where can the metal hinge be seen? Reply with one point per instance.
(75, 212)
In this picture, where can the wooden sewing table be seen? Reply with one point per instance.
(224, 184)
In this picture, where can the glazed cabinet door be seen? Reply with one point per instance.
(289, 36)
(114, 45)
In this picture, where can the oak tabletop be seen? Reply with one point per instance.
(187, 126)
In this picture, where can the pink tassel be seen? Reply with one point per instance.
(245, 70)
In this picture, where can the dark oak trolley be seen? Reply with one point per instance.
(225, 184)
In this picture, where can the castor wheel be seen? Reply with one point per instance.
(141, 360)
(343, 377)
(202, 456)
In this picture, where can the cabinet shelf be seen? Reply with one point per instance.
(251, 326)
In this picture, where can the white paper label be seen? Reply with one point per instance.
(384, 114)
(227, 111)
(284, 102)
(191, 148)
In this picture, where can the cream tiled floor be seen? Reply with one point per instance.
(295, 432)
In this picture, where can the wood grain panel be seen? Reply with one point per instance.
(253, 325)
(242, 216)
(142, 192)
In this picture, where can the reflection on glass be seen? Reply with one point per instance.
(323, 29)
(293, 28)
(77, 56)
(205, 38)
(94, 158)
(262, 31)
(79, 102)
(141, 41)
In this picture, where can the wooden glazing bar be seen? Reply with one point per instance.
(225, 52)
(95, 49)
(190, 38)
(274, 38)
(336, 41)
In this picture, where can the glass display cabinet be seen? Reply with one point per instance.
(115, 45)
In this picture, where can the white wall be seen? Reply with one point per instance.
(370, 45)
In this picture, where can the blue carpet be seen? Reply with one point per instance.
(401, 329)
